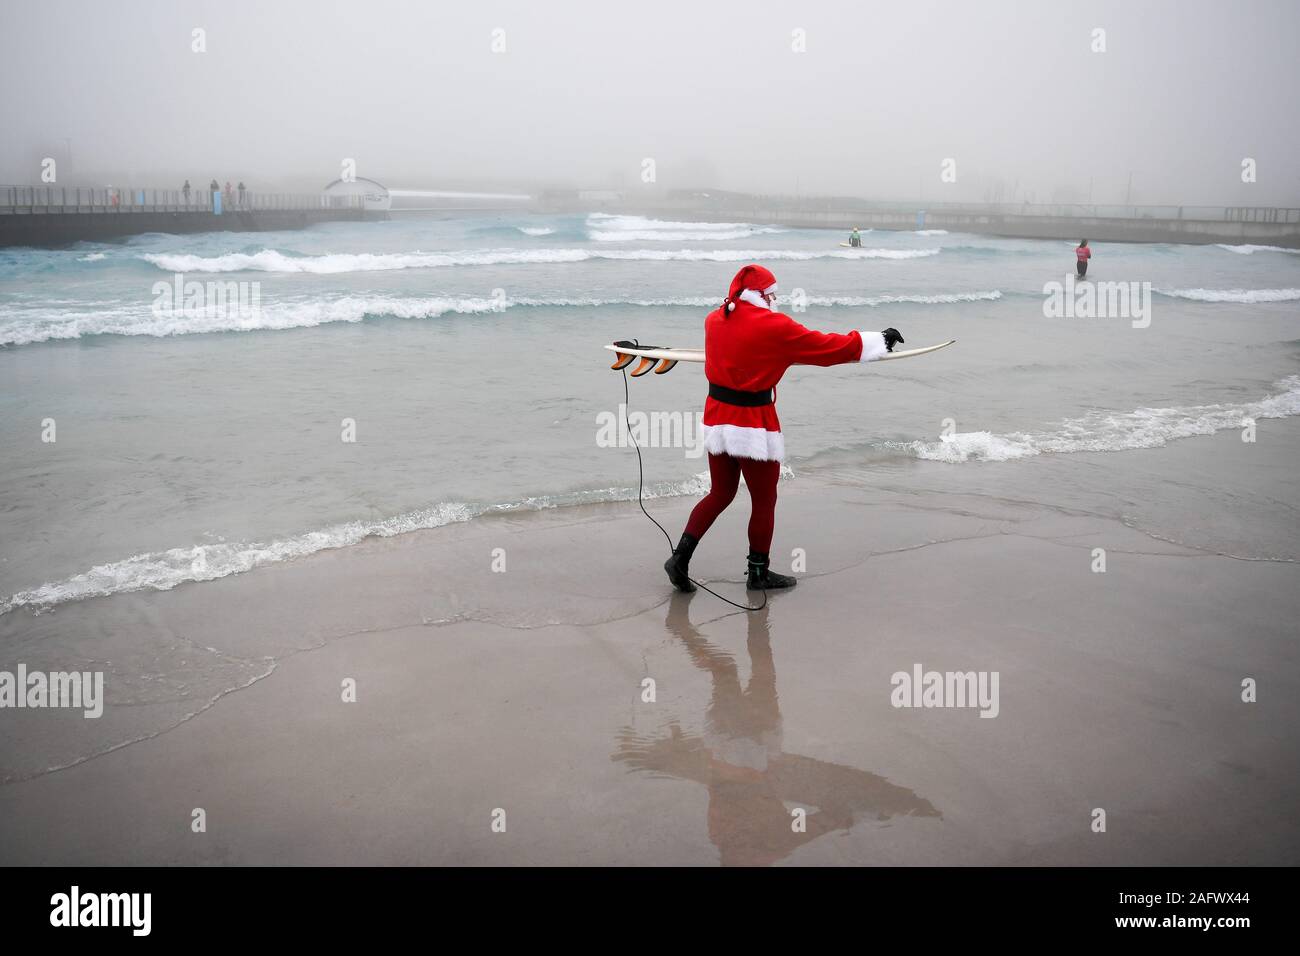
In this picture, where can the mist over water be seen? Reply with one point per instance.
(1029, 100)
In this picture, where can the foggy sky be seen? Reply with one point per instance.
(710, 90)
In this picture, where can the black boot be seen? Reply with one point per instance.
(678, 566)
(763, 579)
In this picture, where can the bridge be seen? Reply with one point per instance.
(61, 215)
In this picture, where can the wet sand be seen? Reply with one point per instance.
(521, 690)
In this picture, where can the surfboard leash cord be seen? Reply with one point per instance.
(640, 500)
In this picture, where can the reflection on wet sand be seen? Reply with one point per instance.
(753, 785)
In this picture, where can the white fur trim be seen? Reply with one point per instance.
(753, 298)
(770, 289)
(740, 442)
(873, 346)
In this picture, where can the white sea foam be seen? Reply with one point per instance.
(938, 298)
(535, 230)
(1100, 431)
(654, 235)
(932, 232)
(27, 325)
(602, 227)
(1111, 431)
(783, 300)
(270, 260)
(975, 446)
(164, 570)
(606, 220)
(1248, 249)
(93, 257)
(1246, 296)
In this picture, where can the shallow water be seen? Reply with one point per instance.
(467, 353)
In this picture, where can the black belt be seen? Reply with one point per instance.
(732, 396)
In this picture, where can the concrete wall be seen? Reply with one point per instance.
(65, 228)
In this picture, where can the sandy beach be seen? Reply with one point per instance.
(521, 690)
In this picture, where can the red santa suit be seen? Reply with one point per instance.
(747, 348)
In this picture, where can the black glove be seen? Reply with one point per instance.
(892, 338)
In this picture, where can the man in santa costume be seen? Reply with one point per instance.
(748, 345)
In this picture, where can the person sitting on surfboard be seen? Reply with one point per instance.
(747, 348)
(1083, 254)
(854, 238)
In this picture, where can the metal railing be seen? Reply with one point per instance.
(120, 199)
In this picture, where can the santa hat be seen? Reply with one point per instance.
(750, 278)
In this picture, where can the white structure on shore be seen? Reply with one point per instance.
(375, 194)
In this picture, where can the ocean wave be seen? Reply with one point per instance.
(931, 232)
(597, 235)
(603, 227)
(1111, 431)
(164, 570)
(93, 257)
(938, 298)
(1096, 432)
(981, 251)
(1233, 295)
(28, 325)
(269, 260)
(606, 220)
(1248, 249)
(536, 230)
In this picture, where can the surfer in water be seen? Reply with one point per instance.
(1082, 254)
(855, 239)
(748, 346)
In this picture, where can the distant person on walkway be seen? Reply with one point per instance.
(230, 194)
(1083, 254)
(855, 238)
(241, 194)
(186, 191)
(214, 190)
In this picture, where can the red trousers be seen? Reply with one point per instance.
(760, 479)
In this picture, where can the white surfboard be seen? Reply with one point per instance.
(666, 358)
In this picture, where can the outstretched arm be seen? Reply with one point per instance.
(806, 346)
